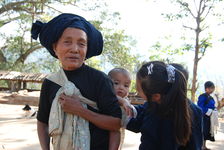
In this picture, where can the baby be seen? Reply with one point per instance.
(121, 81)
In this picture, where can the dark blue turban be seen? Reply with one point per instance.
(50, 32)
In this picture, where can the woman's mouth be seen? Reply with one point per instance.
(73, 58)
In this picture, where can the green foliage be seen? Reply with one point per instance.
(117, 52)
(164, 53)
(94, 62)
(20, 53)
(133, 86)
(197, 12)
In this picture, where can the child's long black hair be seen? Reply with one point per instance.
(153, 77)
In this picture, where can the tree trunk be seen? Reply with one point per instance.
(196, 59)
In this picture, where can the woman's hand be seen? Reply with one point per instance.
(71, 104)
(126, 105)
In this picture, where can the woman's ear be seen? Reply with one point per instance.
(54, 48)
(156, 98)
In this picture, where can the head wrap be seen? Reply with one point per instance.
(50, 32)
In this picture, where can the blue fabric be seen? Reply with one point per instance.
(196, 138)
(50, 32)
(202, 102)
(157, 133)
(206, 119)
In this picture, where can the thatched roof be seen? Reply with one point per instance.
(19, 76)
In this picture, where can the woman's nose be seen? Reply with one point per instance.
(74, 48)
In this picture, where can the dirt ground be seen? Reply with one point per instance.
(19, 133)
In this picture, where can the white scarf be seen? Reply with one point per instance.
(68, 132)
(214, 122)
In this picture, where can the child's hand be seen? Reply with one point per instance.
(126, 105)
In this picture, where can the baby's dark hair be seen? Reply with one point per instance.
(174, 103)
(209, 84)
(118, 70)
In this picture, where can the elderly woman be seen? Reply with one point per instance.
(71, 39)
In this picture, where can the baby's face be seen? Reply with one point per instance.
(122, 84)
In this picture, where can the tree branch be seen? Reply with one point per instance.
(189, 27)
(203, 9)
(23, 57)
(52, 8)
(12, 5)
(2, 23)
(208, 11)
(204, 27)
(22, 9)
(197, 86)
(2, 57)
(195, 6)
(203, 53)
(187, 7)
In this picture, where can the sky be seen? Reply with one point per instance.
(142, 19)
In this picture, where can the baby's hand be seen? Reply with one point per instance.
(126, 105)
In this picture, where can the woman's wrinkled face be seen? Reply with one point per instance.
(71, 48)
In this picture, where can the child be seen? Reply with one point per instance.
(164, 120)
(196, 138)
(207, 104)
(122, 80)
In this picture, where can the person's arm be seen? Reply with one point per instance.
(201, 104)
(43, 115)
(126, 106)
(135, 124)
(72, 105)
(114, 141)
(44, 139)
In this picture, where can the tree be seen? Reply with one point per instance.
(18, 47)
(117, 45)
(17, 52)
(196, 11)
(165, 53)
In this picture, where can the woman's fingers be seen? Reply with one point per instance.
(70, 104)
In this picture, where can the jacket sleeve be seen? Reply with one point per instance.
(135, 124)
(201, 103)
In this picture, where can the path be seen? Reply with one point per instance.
(20, 134)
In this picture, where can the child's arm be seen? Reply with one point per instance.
(114, 141)
(126, 105)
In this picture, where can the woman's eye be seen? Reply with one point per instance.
(67, 42)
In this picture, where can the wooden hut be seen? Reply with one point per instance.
(18, 80)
